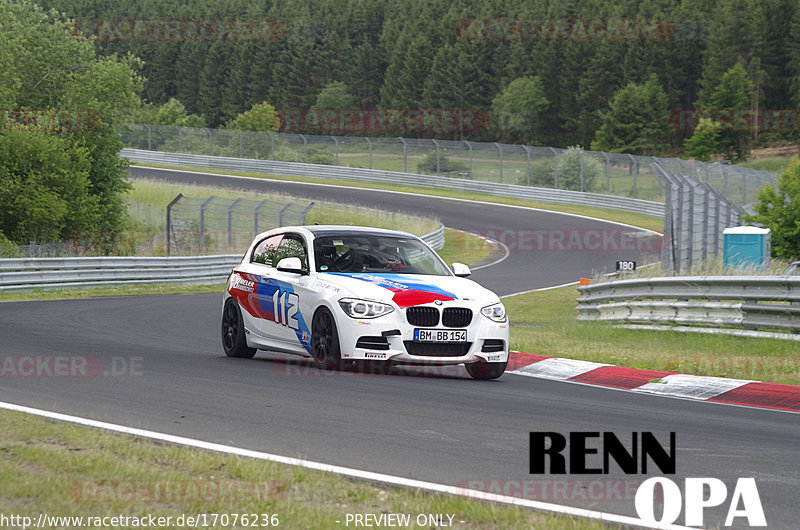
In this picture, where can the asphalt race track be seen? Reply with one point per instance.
(166, 372)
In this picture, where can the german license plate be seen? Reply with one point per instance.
(440, 335)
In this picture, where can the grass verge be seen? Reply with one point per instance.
(158, 194)
(68, 470)
(644, 221)
(558, 334)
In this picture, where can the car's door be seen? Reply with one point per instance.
(283, 295)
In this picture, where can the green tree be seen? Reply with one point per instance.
(736, 35)
(335, 95)
(517, 110)
(170, 113)
(49, 68)
(704, 142)
(636, 121)
(44, 187)
(261, 117)
(571, 170)
(779, 210)
(732, 98)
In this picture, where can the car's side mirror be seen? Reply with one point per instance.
(292, 265)
(459, 269)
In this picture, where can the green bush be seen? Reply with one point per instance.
(428, 165)
(325, 159)
(779, 210)
(8, 249)
(565, 172)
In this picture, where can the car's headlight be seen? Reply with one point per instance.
(495, 312)
(356, 308)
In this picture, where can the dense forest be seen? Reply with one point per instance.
(462, 54)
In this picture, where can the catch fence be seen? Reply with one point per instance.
(215, 225)
(573, 169)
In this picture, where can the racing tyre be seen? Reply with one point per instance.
(484, 370)
(325, 341)
(233, 339)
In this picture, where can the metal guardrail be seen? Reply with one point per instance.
(297, 169)
(61, 273)
(751, 302)
(18, 274)
(435, 239)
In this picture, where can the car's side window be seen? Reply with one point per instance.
(292, 246)
(266, 251)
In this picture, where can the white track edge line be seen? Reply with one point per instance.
(473, 201)
(346, 471)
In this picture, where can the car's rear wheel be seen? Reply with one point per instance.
(325, 341)
(484, 370)
(233, 339)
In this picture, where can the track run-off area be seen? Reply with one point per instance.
(155, 362)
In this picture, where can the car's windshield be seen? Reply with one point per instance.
(376, 253)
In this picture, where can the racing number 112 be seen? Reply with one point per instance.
(285, 305)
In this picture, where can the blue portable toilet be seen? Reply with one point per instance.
(746, 246)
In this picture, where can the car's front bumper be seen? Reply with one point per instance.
(391, 338)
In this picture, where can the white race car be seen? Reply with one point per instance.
(341, 294)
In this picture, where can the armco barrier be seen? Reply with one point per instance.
(296, 169)
(18, 274)
(751, 302)
(62, 273)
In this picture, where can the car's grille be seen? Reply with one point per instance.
(492, 345)
(372, 343)
(456, 317)
(423, 316)
(432, 349)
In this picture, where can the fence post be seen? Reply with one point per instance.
(210, 141)
(555, 168)
(241, 150)
(580, 160)
(635, 171)
(304, 213)
(255, 216)
(405, 155)
(169, 221)
(280, 213)
(336, 154)
(527, 165)
(438, 165)
(149, 145)
(369, 142)
(272, 145)
(608, 179)
(305, 148)
(499, 148)
(469, 145)
(230, 222)
(202, 244)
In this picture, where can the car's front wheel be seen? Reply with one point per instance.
(484, 370)
(325, 341)
(233, 339)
